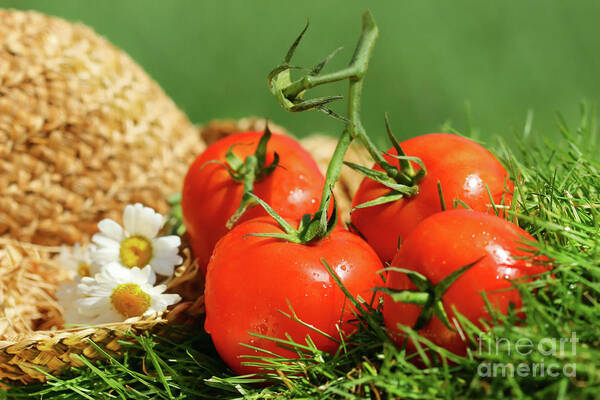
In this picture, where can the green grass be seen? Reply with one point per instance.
(557, 200)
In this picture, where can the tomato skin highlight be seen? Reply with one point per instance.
(250, 278)
(210, 195)
(462, 167)
(446, 242)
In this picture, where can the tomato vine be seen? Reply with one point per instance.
(402, 180)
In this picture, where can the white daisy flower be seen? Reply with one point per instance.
(77, 261)
(137, 245)
(117, 293)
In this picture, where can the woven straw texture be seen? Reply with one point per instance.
(83, 132)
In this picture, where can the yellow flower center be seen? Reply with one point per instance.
(83, 269)
(136, 251)
(130, 300)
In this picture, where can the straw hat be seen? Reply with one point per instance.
(84, 131)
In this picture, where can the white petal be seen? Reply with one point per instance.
(143, 221)
(166, 243)
(160, 303)
(104, 280)
(100, 285)
(152, 278)
(104, 241)
(156, 290)
(140, 275)
(165, 266)
(117, 273)
(130, 217)
(105, 255)
(87, 286)
(149, 276)
(92, 306)
(170, 298)
(94, 289)
(144, 276)
(86, 280)
(146, 279)
(111, 229)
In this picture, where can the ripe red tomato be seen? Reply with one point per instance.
(210, 195)
(462, 167)
(251, 278)
(445, 242)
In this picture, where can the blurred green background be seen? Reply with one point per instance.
(432, 59)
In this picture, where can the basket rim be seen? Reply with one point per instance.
(83, 330)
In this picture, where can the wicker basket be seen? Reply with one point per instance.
(83, 132)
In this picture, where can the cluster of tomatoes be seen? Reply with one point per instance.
(448, 243)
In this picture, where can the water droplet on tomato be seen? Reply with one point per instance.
(296, 195)
(262, 328)
(473, 185)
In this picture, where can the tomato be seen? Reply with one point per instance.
(445, 242)
(251, 278)
(210, 196)
(463, 169)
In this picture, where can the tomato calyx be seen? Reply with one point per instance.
(290, 95)
(247, 172)
(402, 180)
(308, 229)
(428, 296)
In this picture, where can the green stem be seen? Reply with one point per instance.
(355, 73)
(359, 132)
(310, 81)
(334, 169)
(354, 129)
